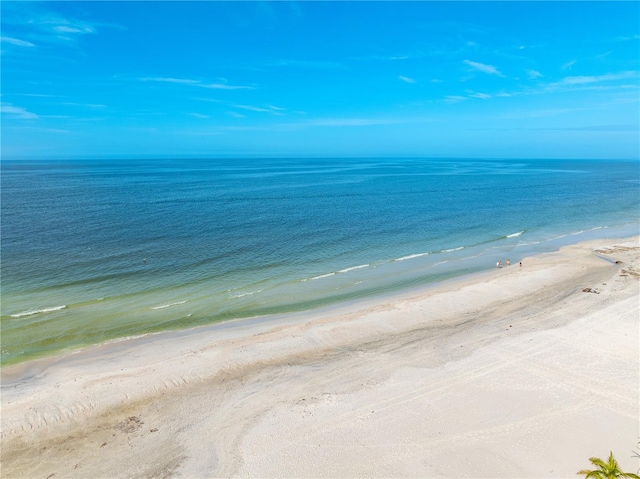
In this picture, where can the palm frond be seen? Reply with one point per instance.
(598, 462)
(612, 463)
(592, 474)
(607, 470)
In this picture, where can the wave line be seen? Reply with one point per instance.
(31, 312)
(249, 293)
(411, 256)
(452, 249)
(353, 267)
(168, 305)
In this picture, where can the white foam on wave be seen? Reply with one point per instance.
(163, 306)
(31, 312)
(528, 244)
(322, 276)
(411, 256)
(452, 249)
(248, 293)
(513, 235)
(346, 270)
(353, 267)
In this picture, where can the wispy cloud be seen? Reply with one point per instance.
(54, 130)
(489, 69)
(454, 98)
(582, 80)
(224, 86)
(52, 27)
(352, 122)
(568, 65)
(199, 115)
(71, 27)
(387, 58)
(37, 24)
(328, 122)
(599, 128)
(620, 128)
(428, 52)
(482, 96)
(407, 79)
(606, 82)
(451, 99)
(171, 80)
(16, 41)
(349, 122)
(261, 109)
(84, 105)
(252, 108)
(39, 95)
(534, 74)
(538, 113)
(627, 38)
(603, 55)
(17, 112)
(198, 83)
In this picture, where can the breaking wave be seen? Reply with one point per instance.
(31, 312)
(168, 305)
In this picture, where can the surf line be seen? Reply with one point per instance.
(411, 256)
(31, 312)
(168, 305)
(342, 271)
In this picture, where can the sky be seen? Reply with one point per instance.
(438, 79)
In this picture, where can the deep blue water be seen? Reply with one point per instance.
(97, 250)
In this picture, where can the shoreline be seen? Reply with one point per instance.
(340, 307)
(20, 346)
(282, 393)
(554, 244)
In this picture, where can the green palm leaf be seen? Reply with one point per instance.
(606, 470)
(592, 474)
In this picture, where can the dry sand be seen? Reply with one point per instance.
(516, 372)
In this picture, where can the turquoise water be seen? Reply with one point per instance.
(97, 250)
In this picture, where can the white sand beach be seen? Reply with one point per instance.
(516, 372)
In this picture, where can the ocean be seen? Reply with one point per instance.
(93, 251)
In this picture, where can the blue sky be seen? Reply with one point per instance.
(433, 79)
